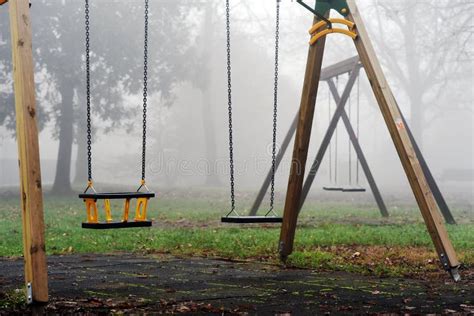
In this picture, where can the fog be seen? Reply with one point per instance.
(426, 51)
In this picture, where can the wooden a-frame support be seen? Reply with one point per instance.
(327, 74)
(36, 275)
(398, 132)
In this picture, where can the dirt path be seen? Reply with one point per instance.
(97, 283)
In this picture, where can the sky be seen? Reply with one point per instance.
(253, 33)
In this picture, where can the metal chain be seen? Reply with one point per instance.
(349, 143)
(275, 105)
(229, 104)
(336, 138)
(330, 142)
(145, 91)
(358, 125)
(88, 88)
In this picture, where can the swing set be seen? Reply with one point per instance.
(403, 140)
(90, 195)
(233, 216)
(421, 181)
(333, 164)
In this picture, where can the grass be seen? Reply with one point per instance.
(338, 237)
(12, 299)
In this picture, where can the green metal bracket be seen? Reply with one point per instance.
(323, 6)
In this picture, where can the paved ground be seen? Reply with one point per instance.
(97, 283)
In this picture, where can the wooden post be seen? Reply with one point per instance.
(36, 277)
(300, 150)
(398, 131)
(443, 206)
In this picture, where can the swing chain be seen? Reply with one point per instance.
(145, 91)
(88, 92)
(275, 104)
(349, 143)
(358, 126)
(88, 88)
(229, 103)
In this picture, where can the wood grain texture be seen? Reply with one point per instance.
(28, 151)
(300, 150)
(398, 131)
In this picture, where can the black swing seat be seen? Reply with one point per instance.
(92, 210)
(116, 196)
(251, 219)
(345, 190)
(112, 225)
(353, 190)
(333, 189)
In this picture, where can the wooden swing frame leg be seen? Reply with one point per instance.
(398, 132)
(36, 275)
(301, 145)
(443, 206)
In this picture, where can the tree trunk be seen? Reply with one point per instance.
(212, 177)
(417, 119)
(80, 177)
(415, 76)
(62, 180)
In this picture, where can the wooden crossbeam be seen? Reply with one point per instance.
(339, 68)
(36, 277)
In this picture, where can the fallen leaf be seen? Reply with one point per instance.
(355, 255)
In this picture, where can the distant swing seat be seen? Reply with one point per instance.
(140, 220)
(251, 219)
(353, 190)
(333, 189)
(345, 190)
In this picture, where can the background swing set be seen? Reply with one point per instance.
(36, 279)
(352, 67)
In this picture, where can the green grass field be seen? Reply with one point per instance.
(335, 237)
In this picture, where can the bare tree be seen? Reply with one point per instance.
(424, 45)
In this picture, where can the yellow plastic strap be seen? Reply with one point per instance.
(108, 211)
(320, 24)
(143, 185)
(90, 185)
(126, 210)
(316, 37)
(92, 213)
(140, 211)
